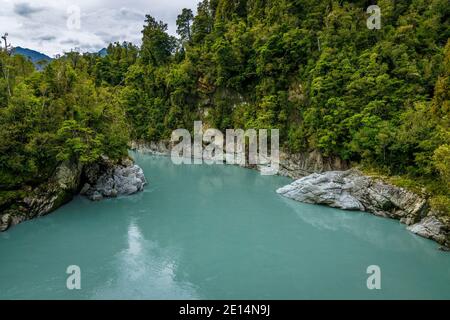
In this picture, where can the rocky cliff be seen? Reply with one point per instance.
(59, 190)
(352, 190)
(103, 179)
(291, 165)
(302, 164)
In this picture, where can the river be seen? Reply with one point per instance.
(215, 232)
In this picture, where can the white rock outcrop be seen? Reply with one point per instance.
(430, 228)
(351, 190)
(114, 180)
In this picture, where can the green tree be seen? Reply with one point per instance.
(184, 22)
(157, 44)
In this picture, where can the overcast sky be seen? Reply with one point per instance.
(51, 27)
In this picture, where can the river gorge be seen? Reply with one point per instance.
(215, 232)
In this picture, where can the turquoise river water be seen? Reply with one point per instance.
(215, 232)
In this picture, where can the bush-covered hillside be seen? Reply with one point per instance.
(311, 68)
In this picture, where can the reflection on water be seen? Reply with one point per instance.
(144, 271)
(215, 232)
(357, 224)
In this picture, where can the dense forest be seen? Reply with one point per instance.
(311, 68)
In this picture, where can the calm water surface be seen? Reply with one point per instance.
(215, 232)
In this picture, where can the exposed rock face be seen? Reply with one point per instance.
(161, 148)
(107, 180)
(303, 164)
(351, 190)
(291, 165)
(59, 190)
(431, 228)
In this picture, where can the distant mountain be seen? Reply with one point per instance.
(103, 52)
(33, 56)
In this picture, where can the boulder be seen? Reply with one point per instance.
(5, 221)
(85, 189)
(110, 180)
(96, 196)
(352, 190)
(430, 228)
(323, 189)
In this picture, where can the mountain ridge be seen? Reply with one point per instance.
(39, 59)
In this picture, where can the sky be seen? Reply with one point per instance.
(52, 26)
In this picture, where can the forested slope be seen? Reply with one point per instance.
(377, 98)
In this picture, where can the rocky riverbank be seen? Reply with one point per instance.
(291, 165)
(331, 182)
(42, 200)
(101, 180)
(109, 180)
(352, 190)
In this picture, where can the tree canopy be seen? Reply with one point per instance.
(378, 98)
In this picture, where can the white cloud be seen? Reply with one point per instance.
(42, 24)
